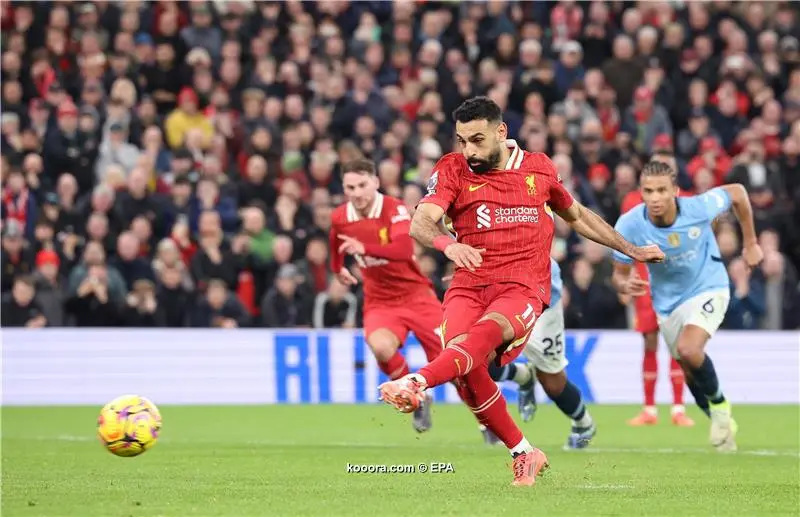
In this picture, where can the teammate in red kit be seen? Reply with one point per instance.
(495, 194)
(645, 323)
(398, 298)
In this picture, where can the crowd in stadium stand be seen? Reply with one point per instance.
(176, 163)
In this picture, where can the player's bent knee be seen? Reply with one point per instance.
(505, 325)
(691, 345)
(552, 383)
(384, 344)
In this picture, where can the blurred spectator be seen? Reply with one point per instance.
(49, 287)
(747, 304)
(284, 305)
(219, 308)
(221, 127)
(594, 302)
(20, 307)
(335, 308)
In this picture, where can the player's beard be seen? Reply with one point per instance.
(481, 166)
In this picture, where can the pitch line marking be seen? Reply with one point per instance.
(379, 445)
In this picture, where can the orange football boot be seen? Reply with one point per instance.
(643, 418)
(529, 465)
(682, 420)
(406, 394)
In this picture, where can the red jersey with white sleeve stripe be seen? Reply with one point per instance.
(389, 268)
(504, 212)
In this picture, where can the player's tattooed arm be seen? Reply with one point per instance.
(594, 227)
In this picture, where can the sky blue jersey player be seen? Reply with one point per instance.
(690, 288)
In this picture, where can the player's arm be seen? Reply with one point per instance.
(443, 189)
(426, 227)
(594, 227)
(625, 280)
(337, 259)
(400, 246)
(751, 251)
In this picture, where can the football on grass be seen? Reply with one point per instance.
(128, 425)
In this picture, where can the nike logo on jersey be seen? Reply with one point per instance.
(473, 188)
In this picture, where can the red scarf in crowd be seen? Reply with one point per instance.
(16, 206)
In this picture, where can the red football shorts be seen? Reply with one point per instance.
(464, 306)
(422, 316)
(645, 320)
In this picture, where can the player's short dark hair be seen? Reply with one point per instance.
(360, 166)
(478, 108)
(657, 168)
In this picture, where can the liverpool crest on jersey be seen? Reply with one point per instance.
(383, 235)
(531, 182)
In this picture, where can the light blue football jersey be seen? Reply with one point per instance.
(556, 284)
(693, 264)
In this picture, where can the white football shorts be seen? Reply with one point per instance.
(545, 347)
(706, 310)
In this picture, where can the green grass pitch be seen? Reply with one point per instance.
(291, 460)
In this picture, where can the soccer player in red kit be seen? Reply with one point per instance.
(495, 194)
(645, 323)
(398, 298)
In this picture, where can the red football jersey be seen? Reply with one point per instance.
(389, 267)
(505, 212)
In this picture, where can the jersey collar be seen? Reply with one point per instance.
(515, 160)
(374, 211)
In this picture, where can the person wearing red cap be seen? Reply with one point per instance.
(185, 117)
(49, 291)
(646, 323)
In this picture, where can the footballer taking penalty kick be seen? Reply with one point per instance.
(691, 287)
(495, 194)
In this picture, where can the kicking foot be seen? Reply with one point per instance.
(581, 437)
(723, 428)
(529, 465)
(405, 394)
(642, 419)
(680, 419)
(489, 438)
(422, 415)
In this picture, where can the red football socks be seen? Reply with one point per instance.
(395, 367)
(677, 378)
(485, 400)
(649, 376)
(458, 360)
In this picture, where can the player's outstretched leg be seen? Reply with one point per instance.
(525, 379)
(698, 364)
(569, 400)
(486, 401)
